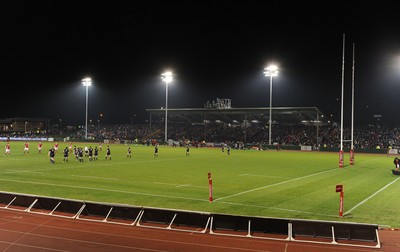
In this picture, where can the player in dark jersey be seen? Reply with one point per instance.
(76, 153)
(187, 150)
(52, 154)
(396, 162)
(129, 152)
(80, 154)
(90, 153)
(108, 153)
(96, 153)
(66, 152)
(156, 150)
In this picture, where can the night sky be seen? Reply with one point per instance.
(216, 49)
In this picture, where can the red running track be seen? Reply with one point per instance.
(22, 231)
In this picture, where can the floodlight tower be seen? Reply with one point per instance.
(86, 82)
(270, 71)
(167, 78)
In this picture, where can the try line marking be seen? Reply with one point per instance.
(362, 202)
(267, 186)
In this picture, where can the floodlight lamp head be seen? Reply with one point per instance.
(271, 70)
(166, 77)
(87, 82)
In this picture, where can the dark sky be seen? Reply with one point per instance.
(216, 49)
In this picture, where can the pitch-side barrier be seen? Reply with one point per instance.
(293, 230)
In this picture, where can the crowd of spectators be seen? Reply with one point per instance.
(370, 137)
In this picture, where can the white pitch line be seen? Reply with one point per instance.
(280, 183)
(256, 175)
(102, 189)
(94, 177)
(277, 208)
(362, 202)
(179, 185)
(13, 171)
(64, 166)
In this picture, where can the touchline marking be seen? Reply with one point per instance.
(94, 177)
(362, 202)
(256, 175)
(102, 189)
(180, 185)
(65, 166)
(277, 208)
(280, 183)
(13, 171)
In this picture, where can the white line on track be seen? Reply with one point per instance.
(116, 247)
(362, 202)
(276, 184)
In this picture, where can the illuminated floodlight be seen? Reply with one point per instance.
(270, 71)
(86, 82)
(167, 78)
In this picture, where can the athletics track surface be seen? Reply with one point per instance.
(23, 232)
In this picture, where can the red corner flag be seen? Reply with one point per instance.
(210, 186)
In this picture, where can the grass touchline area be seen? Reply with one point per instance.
(267, 186)
(270, 183)
(375, 193)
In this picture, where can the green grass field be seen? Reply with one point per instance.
(281, 184)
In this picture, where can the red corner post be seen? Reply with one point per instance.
(210, 186)
(339, 188)
(351, 157)
(341, 158)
